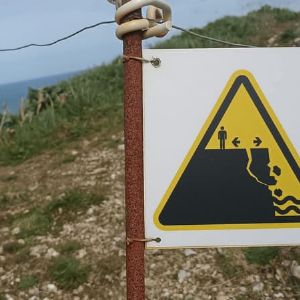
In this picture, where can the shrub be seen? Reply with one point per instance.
(27, 282)
(288, 35)
(261, 255)
(68, 272)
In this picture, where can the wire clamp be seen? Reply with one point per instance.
(157, 23)
(155, 61)
(132, 240)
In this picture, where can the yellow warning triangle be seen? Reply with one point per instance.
(242, 171)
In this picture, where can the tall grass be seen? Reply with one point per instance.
(93, 104)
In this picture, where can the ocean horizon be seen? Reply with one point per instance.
(12, 93)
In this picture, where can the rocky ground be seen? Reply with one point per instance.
(53, 249)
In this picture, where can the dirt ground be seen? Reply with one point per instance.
(98, 229)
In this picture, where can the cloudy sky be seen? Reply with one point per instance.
(39, 21)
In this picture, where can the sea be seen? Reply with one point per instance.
(12, 93)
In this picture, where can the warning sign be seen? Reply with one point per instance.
(241, 172)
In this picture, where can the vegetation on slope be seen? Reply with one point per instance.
(265, 27)
(92, 102)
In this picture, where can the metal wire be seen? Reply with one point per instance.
(56, 41)
(212, 39)
(111, 22)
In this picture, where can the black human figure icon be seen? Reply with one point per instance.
(222, 136)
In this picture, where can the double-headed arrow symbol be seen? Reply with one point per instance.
(236, 142)
(257, 141)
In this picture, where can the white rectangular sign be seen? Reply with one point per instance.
(221, 147)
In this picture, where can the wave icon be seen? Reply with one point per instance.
(286, 199)
(287, 210)
(293, 207)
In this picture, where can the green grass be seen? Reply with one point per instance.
(27, 282)
(40, 220)
(72, 202)
(68, 272)
(33, 223)
(261, 255)
(69, 247)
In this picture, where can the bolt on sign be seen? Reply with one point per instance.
(221, 144)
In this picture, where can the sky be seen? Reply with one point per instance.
(36, 21)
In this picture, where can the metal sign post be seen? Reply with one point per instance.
(134, 180)
(132, 28)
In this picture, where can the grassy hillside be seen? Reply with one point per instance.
(265, 27)
(92, 102)
(85, 104)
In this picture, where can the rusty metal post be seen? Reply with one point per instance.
(134, 175)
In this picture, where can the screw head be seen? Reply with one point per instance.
(156, 62)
